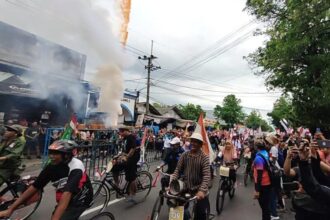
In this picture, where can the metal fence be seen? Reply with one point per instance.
(97, 153)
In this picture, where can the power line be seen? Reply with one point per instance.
(212, 47)
(217, 91)
(214, 54)
(202, 98)
(222, 95)
(127, 80)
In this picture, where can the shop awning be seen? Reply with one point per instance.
(11, 84)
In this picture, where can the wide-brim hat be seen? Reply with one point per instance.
(16, 128)
(197, 136)
(272, 139)
(124, 128)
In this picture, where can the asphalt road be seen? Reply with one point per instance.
(242, 206)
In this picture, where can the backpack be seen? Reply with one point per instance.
(274, 171)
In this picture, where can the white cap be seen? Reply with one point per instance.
(175, 140)
(197, 136)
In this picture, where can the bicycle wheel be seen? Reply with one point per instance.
(231, 191)
(103, 216)
(144, 184)
(101, 197)
(156, 209)
(221, 196)
(28, 208)
(145, 166)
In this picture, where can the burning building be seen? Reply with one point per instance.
(41, 80)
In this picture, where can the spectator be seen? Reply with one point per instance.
(318, 192)
(11, 149)
(31, 137)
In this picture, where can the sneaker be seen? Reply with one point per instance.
(274, 217)
(131, 199)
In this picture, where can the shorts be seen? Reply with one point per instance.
(131, 167)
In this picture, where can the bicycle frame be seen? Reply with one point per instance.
(109, 180)
(9, 187)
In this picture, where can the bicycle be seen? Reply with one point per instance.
(160, 199)
(176, 203)
(106, 186)
(10, 192)
(225, 185)
(142, 165)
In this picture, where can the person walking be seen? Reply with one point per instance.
(262, 179)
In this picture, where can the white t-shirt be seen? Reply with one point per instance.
(167, 142)
(274, 152)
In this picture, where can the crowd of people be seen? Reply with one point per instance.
(290, 166)
(32, 134)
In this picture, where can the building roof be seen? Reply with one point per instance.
(152, 109)
(164, 110)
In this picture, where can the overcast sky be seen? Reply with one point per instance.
(183, 29)
(217, 33)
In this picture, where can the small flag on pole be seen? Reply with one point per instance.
(70, 129)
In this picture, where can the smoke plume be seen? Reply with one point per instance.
(84, 26)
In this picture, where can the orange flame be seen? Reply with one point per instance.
(126, 9)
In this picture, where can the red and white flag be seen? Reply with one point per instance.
(200, 128)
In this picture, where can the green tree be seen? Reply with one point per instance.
(296, 56)
(191, 111)
(254, 121)
(283, 109)
(230, 111)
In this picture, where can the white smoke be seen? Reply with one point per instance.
(84, 26)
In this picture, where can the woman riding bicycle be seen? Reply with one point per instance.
(229, 156)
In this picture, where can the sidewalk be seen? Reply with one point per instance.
(31, 164)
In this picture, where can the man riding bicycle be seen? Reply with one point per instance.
(171, 159)
(131, 158)
(195, 167)
(11, 148)
(74, 192)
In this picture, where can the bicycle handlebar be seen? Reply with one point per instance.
(161, 172)
(168, 195)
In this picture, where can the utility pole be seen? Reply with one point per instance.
(150, 67)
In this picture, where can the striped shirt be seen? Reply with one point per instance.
(195, 169)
